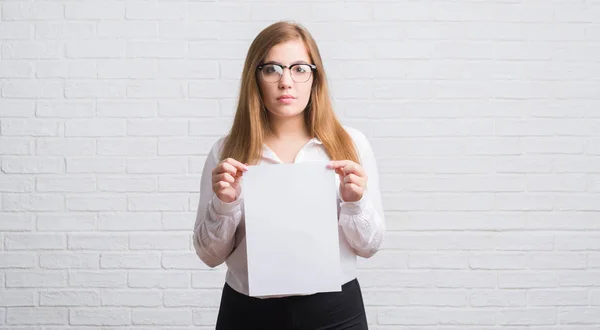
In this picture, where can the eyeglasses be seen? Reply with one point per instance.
(300, 72)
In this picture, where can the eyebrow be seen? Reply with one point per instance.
(296, 62)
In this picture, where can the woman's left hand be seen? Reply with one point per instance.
(353, 179)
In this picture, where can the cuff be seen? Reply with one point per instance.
(225, 208)
(354, 208)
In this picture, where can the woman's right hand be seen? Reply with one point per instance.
(226, 179)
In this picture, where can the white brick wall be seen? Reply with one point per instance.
(484, 115)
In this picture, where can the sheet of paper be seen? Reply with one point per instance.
(291, 229)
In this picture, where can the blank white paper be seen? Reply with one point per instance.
(291, 229)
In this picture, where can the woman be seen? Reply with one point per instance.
(285, 115)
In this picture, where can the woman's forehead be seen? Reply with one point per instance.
(288, 52)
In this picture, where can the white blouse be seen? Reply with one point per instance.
(219, 231)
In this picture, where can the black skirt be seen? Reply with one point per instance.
(320, 311)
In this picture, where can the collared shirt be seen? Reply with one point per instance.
(219, 231)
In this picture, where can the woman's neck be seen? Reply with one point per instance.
(289, 128)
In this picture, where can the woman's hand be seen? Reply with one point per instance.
(226, 179)
(353, 179)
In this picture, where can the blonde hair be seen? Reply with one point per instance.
(251, 123)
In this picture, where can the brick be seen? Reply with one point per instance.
(129, 146)
(210, 127)
(65, 108)
(69, 260)
(96, 202)
(97, 279)
(78, 11)
(205, 316)
(16, 108)
(526, 280)
(579, 315)
(37, 316)
(32, 11)
(161, 202)
(15, 146)
(154, 49)
(33, 202)
(188, 108)
(66, 69)
(95, 165)
(151, 241)
(178, 220)
(155, 165)
(126, 184)
(31, 127)
(35, 241)
(558, 298)
(129, 298)
(155, 89)
(481, 279)
(156, 127)
(155, 316)
(101, 242)
(579, 242)
(182, 260)
(404, 316)
(65, 147)
(580, 202)
(16, 69)
(85, 89)
(159, 279)
(211, 279)
(17, 298)
(17, 260)
(468, 317)
(30, 50)
(71, 221)
(217, 50)
(186, 183)
(498, 298)
(184, 146)
(15, 30)
(16, 222)
(66, 184)
(127, 29)
(557, 260)
(207, 11)
(195, 298)
(188, 69)
(69, 298)
(35, 279)
(386, 298)
(434, 261)
(99, 316)
(529, 316)
(94, 127)
(130, 261)
(126, 109)
(16, 184)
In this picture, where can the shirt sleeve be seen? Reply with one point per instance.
(363, 222)
(216, 221)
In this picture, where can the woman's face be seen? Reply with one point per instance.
(285, 93)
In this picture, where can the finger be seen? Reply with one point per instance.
(337, 164)
(353, 178)
(221, 185)
(354, 188)
(236, 164)
(225, 177)
(226, 168)
(348, 166)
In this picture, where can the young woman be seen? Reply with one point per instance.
(285, 115)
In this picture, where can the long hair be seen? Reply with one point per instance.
(251, 123)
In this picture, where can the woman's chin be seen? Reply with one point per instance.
(284, 111)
